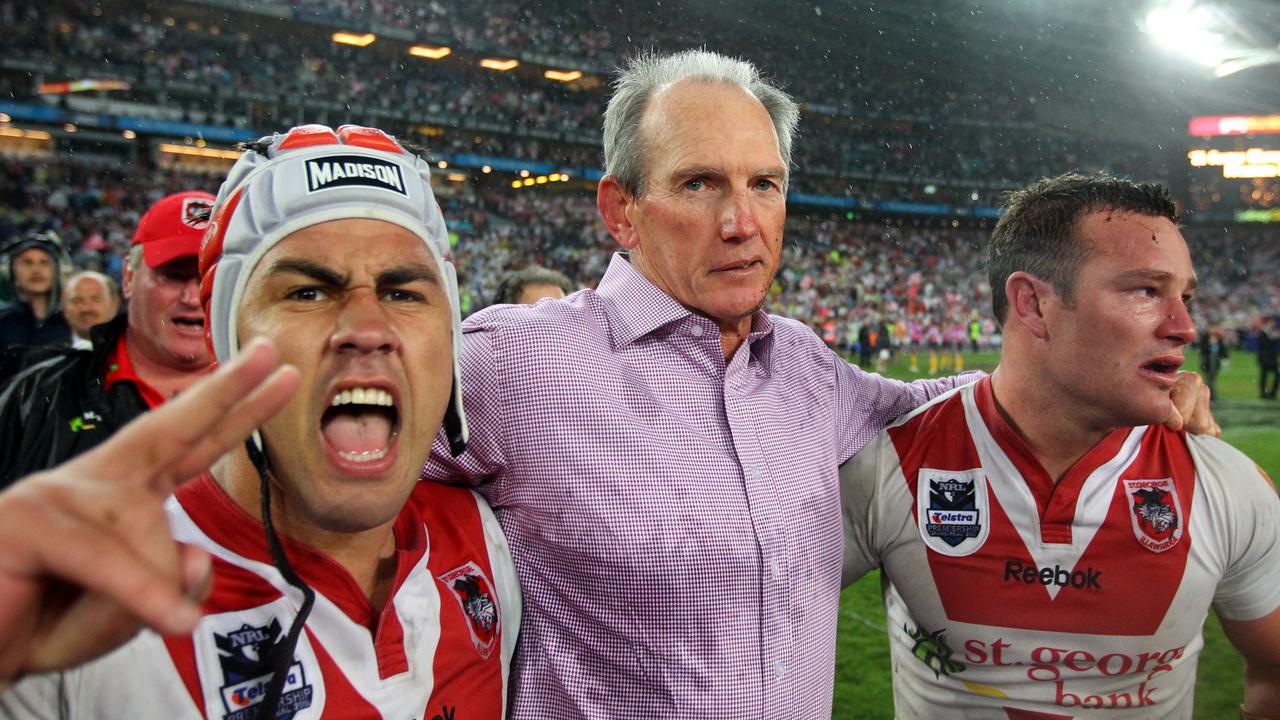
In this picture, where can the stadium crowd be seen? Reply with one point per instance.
(922, 282)
(868, 279)
(871, 140)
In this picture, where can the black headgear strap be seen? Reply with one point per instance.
(282, 658)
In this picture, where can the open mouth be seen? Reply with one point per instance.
(361, 424)
(195, 323)
(1163, 370)
(1163, 366)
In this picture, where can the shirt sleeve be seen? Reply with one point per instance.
(484, 458)
(1250, 521)
(867, 403)
(34, 698)
(859, 482)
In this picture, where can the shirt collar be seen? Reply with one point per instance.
(637, 307)
(120, 368)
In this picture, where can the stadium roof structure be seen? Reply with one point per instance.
(1099, 52)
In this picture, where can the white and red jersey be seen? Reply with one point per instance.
(439, 650)
(1011, 597)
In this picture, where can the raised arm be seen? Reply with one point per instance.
(86, 556)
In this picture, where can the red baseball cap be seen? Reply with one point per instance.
(174, 227)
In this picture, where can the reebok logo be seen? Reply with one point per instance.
(1087, 579)
(347, 170)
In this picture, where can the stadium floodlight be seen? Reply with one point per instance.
(353, 39)
(433, 53)
(1186, 28)
(1207, 34)
(562, 75)
(499, 65)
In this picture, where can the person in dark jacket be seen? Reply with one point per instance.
(1213, 356)
(35, 265)
(1268, 368)
(71, 402)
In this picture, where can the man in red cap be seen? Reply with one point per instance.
(70, 403)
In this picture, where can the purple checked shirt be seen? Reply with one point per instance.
(675, 518)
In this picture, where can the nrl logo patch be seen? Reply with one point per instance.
(1155, 512)
(196, 212)
(246, 656)
(474, 593)
(952, 510)
(354, 170)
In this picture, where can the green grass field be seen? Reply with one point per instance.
(863, 688)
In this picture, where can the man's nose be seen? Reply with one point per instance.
(738, 218)
(362, 326)
(191, 292)
(1178, 324)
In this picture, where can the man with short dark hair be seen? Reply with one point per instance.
(67, 404)
(529, 285)
(34, 318)
(1049, 549)
(342, 586)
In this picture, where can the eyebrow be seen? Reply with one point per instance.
(1155, 276)
(697, 170)
(313, 270)
(405, 274)
(398, 275)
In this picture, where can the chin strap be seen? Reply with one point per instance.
(282, 655)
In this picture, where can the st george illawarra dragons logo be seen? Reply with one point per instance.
(471, 588)
(1155, 512)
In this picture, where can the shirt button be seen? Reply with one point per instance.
(753, 472)
(696, 331)
(775, 567)
(780, 669)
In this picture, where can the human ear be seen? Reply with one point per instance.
(614, 204)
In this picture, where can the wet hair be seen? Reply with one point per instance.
(513, 285)
(1037, 232)
(646, 74)
(262, 146)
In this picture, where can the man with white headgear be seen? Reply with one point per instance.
(330, 243)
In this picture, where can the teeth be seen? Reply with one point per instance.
(364, 457)
(363, 396)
